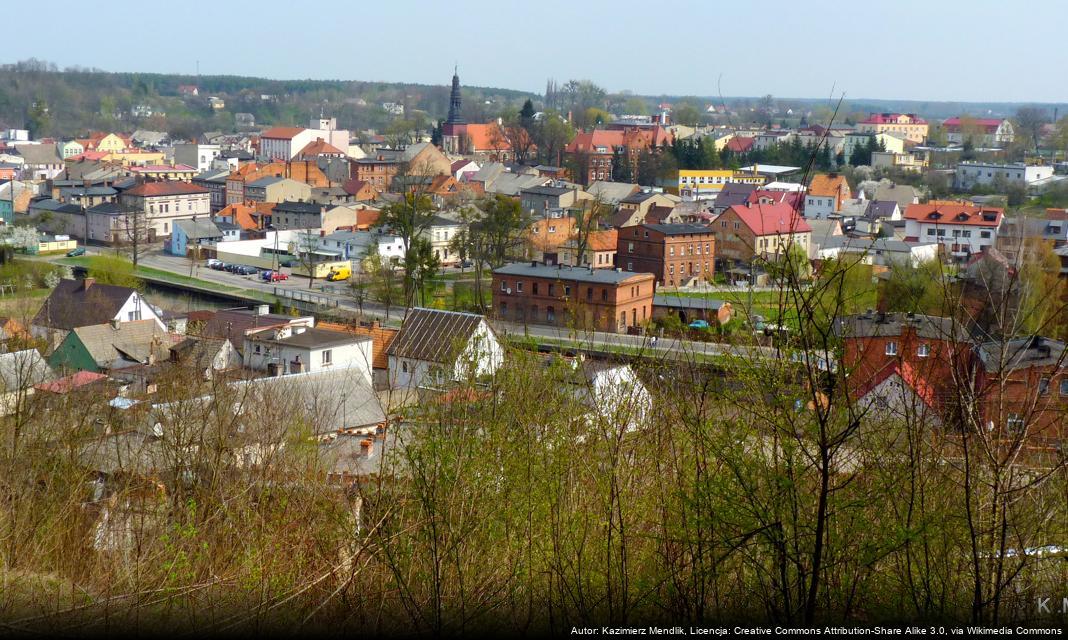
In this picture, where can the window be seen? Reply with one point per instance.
(328, 357)
(504, 286)
(630, 247)
(134, 315)
(891, 348)
(1043, 386)
(930, 232)
(1015, 422)
(671, 251)
(504, 309)
(534, 288)
(984, 234)
(519, 286)
(551, 289)
(1064, 387)
(257, 349)
(630, 266)
(923, 350)
(604, 295)
(404, 366)
(567, 290)
(550, 314)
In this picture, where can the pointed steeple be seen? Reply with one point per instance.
(454, 100)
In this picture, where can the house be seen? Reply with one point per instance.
(360, 190)
(163, 203)
(986, 174)
(112, 345)
(594, 152)
(20, 372)
(462, 168)
(441, 232)
(306, 172)
(69, 149)
(207, 356)
(548, 233)
(357, 245)
(732, 194)
(900, 364)
(538, 200)
(276, 189)
(379, 168)
(912, 127)
(825, 195)
(296, 349)
(982, 132)
(601, 299)
(612, 392)
(319, 148)
(912, 162)
(1023, 384)
(749, 230)
(187, 235)
(882, 252)
(436, 347)
(310, 215)
(599, 253)
(39, 161)
(902, 194)
(241, 215)
(1020, 233)
(77, 303)
(634, 209)
(234, 324)
(677, 254)
(381, 339)
(688, 309)
(196, 155)
(961, 229)
(858, 142)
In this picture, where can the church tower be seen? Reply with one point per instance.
(455, 116)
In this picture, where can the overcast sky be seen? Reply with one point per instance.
(967, 50)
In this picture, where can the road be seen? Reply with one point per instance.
(339, 296)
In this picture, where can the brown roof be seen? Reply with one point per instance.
(77, 303)
(125, 342)
(831, 185)
(242, 215)
(165, 188)
(381, 339)
(603, 240)
(285, 133)
(320, 147)
(431, 335)
(235, 323)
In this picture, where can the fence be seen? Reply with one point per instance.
(308, 298)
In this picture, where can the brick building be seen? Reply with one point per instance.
(674, 253)
(600, 299)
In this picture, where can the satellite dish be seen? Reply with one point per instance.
(157, 430)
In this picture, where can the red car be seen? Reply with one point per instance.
(278, 276)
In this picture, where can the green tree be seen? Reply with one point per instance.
(420, 265)
(109, 268)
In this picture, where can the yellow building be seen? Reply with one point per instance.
(135, 157)
(909, 125)
(699, 183)
(109, 142)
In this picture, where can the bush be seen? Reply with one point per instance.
(113, 269)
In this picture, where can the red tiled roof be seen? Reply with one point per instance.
(921, 387)
(589, 141)
(320, 147)
(771, 219)
(831, 186)
(284, 133)
(71, 382)
(603, 240)
(990, 125)
(165, 188)
(962, 214)
(241, 214)
(740, 144)
(487, 137)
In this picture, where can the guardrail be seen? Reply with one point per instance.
(306, 297)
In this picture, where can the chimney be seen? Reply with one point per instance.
(295, 365)
(367, 447)
(114, 322)
(86, 283)
(533, 263)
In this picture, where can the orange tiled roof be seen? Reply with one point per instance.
(284, 133)
(487, 137)
(242, 215)
(962, 214)
(831, 186)
(320, 147)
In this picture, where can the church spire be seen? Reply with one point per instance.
(454, 100)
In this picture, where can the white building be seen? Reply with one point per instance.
(441, 233)
(200, 156)
(971, 174)
(882, 252)
(298, 349)
(357, 245)
(961, 229)
(434, 348)
(284, 143)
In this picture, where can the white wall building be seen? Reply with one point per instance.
(962, 230)
(200, 156)
(971, 174)
(435, 348)
(296, 349)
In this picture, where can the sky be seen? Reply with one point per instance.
(952, 50)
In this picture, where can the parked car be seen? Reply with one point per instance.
(699, 324)
(218, 266)
(248, 271)
(338, 274)
(212, 262)
(77, 251)
(278, 276)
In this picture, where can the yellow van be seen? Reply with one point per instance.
(339, 273)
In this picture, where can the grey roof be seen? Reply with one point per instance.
(326, 401)
(227, 226)
(881, 209)
(432, 335)
(131, 452)
(91, 191)
(902, 194)
(679, 229)
(1020, 353)
(22, 369)
(197, 229)
(511, 184)
(344, 453)
(128, 342)
(298, 207)
(234, 323)
(563, 272)
(442, 221)
(639, 197)
(688, 302)
(870, 325)
(611, 192)
(266, 181)
(39, 153)
(212, 175)
(106, 208)
(72, 305)
(546, 190)
(310, 338)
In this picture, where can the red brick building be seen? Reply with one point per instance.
(674, 253)
(580, 297)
